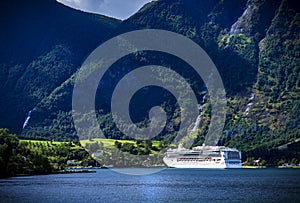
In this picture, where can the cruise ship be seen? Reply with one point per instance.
(203, 157)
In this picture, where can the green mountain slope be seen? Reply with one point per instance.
(254, 44)
(42, 44)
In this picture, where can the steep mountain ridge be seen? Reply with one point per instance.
(255, 46)
(42, 45)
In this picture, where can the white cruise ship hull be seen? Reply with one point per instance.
(206, 157)
(204, 165)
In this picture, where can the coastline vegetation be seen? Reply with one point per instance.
(126, 153)
(32, 157)
(37, 157)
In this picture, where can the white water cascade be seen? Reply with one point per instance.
(28, 117)
(249, 105)
(196, 123)
(198, 120)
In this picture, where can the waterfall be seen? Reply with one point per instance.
(209, 78)
(197, 122)
(198, 119)
(249, 105)
(251, 97)
(28, 117)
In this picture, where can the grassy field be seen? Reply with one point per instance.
(108, 143)
(126, 154)
(59, 154)
(42, 141)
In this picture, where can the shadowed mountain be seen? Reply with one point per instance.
(254, 44)
(42, 44)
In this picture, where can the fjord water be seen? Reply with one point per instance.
(170, 185)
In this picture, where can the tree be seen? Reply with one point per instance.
(118, 144)
(8, 146)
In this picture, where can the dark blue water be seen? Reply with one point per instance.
(170, 185)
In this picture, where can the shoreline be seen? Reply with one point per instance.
(55, 172)
(93, 170)
(247, 166)
(293, 167)
(74, 171)
(277, 167)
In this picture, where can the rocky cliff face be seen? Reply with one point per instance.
(255, 19)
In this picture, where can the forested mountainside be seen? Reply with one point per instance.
(254, 44)
(42, 44)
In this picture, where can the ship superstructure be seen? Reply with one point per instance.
(203, 157)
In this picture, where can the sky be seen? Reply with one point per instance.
(120, 9)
